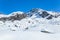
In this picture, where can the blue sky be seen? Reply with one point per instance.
(8, 6)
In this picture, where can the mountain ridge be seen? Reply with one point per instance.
(34, 20)
(37, 12)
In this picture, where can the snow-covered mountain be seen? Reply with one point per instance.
(34, 20)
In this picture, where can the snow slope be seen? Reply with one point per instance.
(37, 24)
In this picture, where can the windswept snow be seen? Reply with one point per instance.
(37, 24)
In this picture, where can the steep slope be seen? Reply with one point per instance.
(43, 13)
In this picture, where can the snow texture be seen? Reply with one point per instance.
(37, 24)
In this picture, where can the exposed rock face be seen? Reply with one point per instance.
(14, 17)
(47, 15)
(42, 13)
(50, 17)
(38, 13)
(17, 17)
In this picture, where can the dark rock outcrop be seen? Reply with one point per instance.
(14, 17)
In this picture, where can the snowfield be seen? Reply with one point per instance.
(28, 36)
(37, 24)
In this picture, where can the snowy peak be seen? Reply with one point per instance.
(34, 13)
(40, 13)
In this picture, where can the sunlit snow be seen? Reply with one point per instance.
(30, 28)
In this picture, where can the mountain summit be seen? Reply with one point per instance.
(43, 13)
